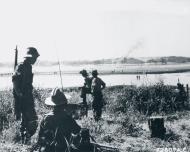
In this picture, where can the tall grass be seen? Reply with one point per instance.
(125, 108)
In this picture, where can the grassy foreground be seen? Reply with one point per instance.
(124, 122)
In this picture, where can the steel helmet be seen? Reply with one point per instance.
(32, 52)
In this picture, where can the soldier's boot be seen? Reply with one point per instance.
(23, 137)
(27, 140)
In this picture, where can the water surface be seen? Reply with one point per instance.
(76, 80)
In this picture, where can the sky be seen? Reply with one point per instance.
(89, 30)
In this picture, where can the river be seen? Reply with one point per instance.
(76, 80)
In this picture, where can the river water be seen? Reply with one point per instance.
(76, 80)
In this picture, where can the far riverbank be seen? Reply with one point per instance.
(105, 69)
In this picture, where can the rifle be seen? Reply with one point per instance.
(104, 148)
(85, 142)
(17, 104)
(16, 57)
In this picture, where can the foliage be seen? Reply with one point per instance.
(126, 109)
(148, 100)
(6, 103)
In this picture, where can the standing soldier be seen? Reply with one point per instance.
(22, 90)
(86, 89)
(97, 86)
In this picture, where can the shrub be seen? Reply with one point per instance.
(158, 98)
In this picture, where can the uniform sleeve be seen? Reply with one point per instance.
(103, 83)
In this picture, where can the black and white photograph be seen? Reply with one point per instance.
(95, 76)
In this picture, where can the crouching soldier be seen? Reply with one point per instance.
(23, 98)
(97, 86)
(57, 126)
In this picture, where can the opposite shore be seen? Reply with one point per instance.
(107, 69)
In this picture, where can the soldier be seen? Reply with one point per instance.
(86, 89)
(97, 86)
(22, 90)
(57, 126)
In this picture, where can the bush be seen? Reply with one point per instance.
(158, 98)
(6, 111)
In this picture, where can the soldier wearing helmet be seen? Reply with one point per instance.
(97, 86)
(22, 90)
(57, 126)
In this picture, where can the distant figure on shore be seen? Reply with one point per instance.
(86, 88)
(138, 77)
(97, 86)
(57, 126)
(22, 91)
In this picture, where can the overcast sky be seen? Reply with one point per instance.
(86, 29)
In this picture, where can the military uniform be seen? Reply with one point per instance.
(55, 131)
(86, 89)
(87, 84)
(23, 98)
(24, 105)
(57, 126)
(97, 104)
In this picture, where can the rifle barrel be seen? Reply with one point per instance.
(16, 57)
(104, 147)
